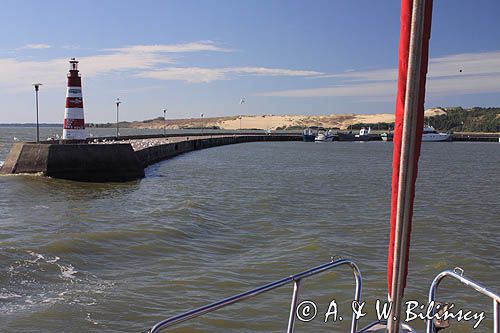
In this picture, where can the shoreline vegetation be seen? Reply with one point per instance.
(451, 119)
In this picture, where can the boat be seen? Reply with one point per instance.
(413, 59)
(308, 135)
(347, 136)
(386, 136)
(325, 136)
(429, 134)
(364, 134)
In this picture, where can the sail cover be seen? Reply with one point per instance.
(412, 70)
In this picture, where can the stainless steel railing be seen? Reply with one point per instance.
(457, 273)
(296, 279)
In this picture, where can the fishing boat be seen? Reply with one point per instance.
(349, 136)
(429, 134)
(325, 136)
(413, 60)
(364, 134)
(308, 135)
(386, 136)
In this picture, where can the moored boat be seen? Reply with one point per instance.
(347, 136)
(386, 136)
(431, 135)
(364, 134)
(308, 135)
(325, 136)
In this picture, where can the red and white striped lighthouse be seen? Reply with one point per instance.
(74, 123)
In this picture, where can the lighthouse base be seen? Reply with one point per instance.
(68, 141)
(74, 134)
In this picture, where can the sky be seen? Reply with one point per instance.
(193, 57)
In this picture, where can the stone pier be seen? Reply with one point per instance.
(107, 160)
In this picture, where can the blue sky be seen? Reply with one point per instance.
(192, 57)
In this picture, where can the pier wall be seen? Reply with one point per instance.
(115, 162)
(158, 153)
(82, 162)
(26, 158)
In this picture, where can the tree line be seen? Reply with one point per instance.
(454, 120)
(467, 120)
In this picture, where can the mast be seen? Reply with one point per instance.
(412, 69)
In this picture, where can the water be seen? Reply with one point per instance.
(79, 257)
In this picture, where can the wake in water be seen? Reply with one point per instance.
(35, 279)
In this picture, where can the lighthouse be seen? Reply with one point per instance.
(74, 123)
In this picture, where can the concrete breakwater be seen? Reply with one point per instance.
(115, 161)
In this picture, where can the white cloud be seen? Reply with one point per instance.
(469, 63)
(19, 74)
(148, 61)
(465, 85)
(191, 74)
(205, 75)
(466, 73)
(262, 71)
(35, 47)
(71, 47)
(172, 48)
(357, 89)
(363, 76)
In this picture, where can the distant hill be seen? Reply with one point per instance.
(444, 119)
(467, 120)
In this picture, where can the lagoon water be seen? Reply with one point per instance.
(80, 257)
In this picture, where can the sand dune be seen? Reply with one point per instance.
(341, 121)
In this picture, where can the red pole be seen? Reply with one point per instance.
(412, 70)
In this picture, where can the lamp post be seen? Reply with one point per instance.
(165, 122)
(201, 115)
(242, 101)
(37, 86)
(118, 102)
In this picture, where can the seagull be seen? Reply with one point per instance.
(242, 101)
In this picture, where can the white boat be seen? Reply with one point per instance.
(308, 135)
(324, 136)
(431, 135)
(364, 134)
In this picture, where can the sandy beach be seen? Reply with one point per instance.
(273, 122)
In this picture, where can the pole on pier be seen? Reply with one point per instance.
(413, 59)
(118, 102)
(242, 101)
(37, 86)
(165, 122)
(201, 115)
